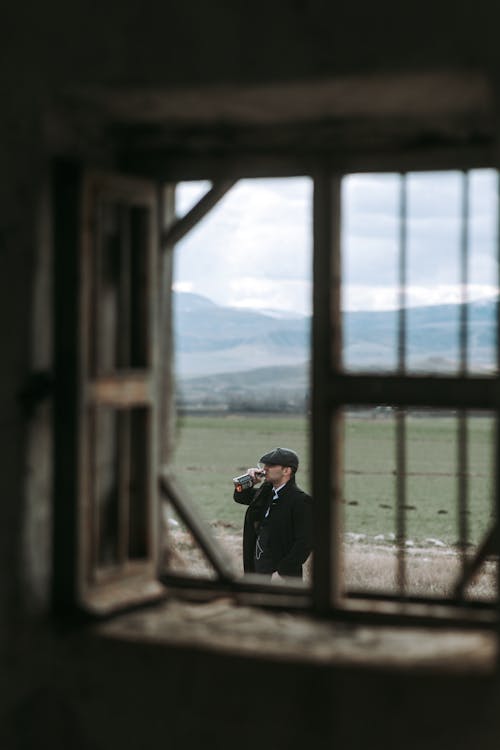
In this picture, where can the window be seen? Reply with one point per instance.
(114, 390)
(241, 321)
(397, 386)
(106, 421)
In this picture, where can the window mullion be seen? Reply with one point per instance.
(326, 438)
(124, 436)
(401, 485)
(496, 458)
(462, 428)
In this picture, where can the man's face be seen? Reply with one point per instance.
(277, 475)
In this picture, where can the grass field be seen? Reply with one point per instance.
(210, 450)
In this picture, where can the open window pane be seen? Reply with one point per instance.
(107, 467)
(121, 486)
(242, 306)
(105, 256)
(121, 263)
(140, 484)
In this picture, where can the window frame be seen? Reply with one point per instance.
(324, 597)
(81, 581)
(333, 388)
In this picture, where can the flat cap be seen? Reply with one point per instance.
(281, 457)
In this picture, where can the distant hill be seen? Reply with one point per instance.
(210, 338)
(284, 388)
(227, 354)
(432, 337)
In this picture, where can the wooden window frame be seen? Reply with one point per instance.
(84, 390)
(331, 388)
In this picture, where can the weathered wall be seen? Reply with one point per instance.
(99, 694)
(78, 692)
(136, 43)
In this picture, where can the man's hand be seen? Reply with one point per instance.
(256, 474)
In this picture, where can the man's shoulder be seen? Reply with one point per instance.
(298, 494)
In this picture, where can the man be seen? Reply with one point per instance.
(277, 534)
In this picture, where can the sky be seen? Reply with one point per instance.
(254, 249)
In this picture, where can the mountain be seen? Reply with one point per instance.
(284, 388)
(210, 338)
(433, 337)
(228, 355)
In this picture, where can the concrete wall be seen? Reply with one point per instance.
(73, 692)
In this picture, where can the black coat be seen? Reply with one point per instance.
(290, 521)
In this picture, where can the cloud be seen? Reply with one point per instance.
(187, 194)
(370, 297)
(293, 295)
(255, 247)
(434, 227)
(182, 286)
(252, 245)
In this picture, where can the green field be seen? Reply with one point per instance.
(210, 450)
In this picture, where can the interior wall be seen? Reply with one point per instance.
(148, 43)
(69, 691)
(108, 694)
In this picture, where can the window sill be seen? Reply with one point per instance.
(224, 627)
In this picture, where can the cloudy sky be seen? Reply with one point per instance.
(254, 249)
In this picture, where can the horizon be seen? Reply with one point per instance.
(268, 311)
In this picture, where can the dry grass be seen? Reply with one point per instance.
(430, 572)
(367, 567)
